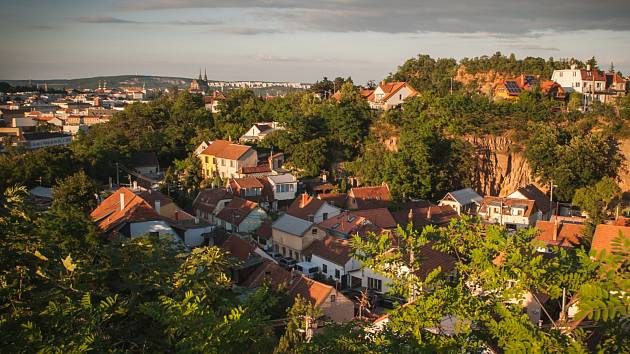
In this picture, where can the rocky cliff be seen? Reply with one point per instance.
(500, 166)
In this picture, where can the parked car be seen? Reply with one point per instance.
(275, 255)
(287, 263)
(389, 302)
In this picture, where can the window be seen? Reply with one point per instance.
(324, 269)
(375, 284)
(325, 216)
(599, 84)
(231, 163)
(337, 273)
(561, 74)
(577, 84)
(206, 159)
(574, 74)
(332, 298)
(314, 231)
(214, 160)
(297, 255)
(400, 97)
(222, 162)
(290, 253)
(276, 248)
(284, 251)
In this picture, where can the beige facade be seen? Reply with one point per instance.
(290, 245)
(226, 168)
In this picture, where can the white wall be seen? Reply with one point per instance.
(351, 265)
(399, 96)
(367, 272)
(145, 227)
(194, 238)
(252, 221)
(326, 208)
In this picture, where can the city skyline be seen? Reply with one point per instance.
(291, 41)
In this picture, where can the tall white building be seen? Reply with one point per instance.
(590, 83)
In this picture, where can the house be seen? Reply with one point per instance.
(510, 89)
(272, 166)
(256, 189)
(259, 131)
(369, 197)
(45, 139)
(531, 192)
(145, 163)
(333, 257)
(211, 102)
(126, 214)
(379, 283)
(423, 213)
(332, 304)
(510, 212)
(337, 199)
(284, 186)
(367, 94)
(225, 159)
(604, 238)
(590, 82)
(241, 215)
(616, 85)
(391, 94)
(201, 147)
(247, 257)
(292, 235)
(263, 235)
(209, 202)
(312, 209)
(553, 90)
(462, 201)
(558, 234)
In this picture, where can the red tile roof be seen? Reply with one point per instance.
(423, 215)
(348, 224)
(208, 199)
(313, 291)
(239, 248)
(334, 249)
(390, 88)
(304, 206)
(336, 199)
(370, 197)
(380, 217)
(236, 210)
(431, 259)
(246, 182)
(262, 168)
(226, 150)
(604, 236)
(507, 202)
(109, 213)
(588, 75)
(559, 233)
(532, 192)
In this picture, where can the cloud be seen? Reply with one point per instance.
(101, 19)
(44, 27)
(497, 17)
(248, 31)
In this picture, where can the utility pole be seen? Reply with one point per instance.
(551, 199)
(451, 85)
(117, 176)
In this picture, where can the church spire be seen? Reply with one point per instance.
(205, 74)
(199, 74)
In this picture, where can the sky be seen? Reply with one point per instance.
(296, 40)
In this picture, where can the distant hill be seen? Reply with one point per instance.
(112, 82)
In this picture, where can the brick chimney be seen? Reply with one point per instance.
(122, 200)
(429, 215)
(556, 225)
(304, 200)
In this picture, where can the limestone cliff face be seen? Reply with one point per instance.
(500, 167)
(624, 173)
(485, 81)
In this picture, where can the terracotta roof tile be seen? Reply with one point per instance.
(423, 215)
(532, 192)
(304, 206)
(264, 231)
(226, 150)
(336, 199)
(237, 210)
(559, 233)
(370, 197)
(109, 213)
(348, 224)
(239, 248)
(604, 236)
(334, 249)
(208, 199)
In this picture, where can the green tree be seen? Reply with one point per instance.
(78, 191)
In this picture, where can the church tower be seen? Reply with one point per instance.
(205, 75)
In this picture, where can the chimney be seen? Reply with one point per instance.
(304, 200)
(556, 225)
(588, 67)
(158, 205)
(429, 213)
(122, 200)
(196, 220)
(410, 215)
(176, 215)
(135, 185)
(573, 66)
